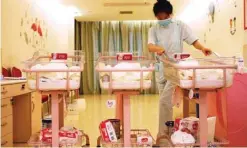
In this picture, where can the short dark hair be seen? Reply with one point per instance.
(162, 6)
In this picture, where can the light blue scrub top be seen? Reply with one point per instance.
(171, 39)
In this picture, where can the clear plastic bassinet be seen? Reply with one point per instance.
(135, 74)
(46, 73)
(203, 73)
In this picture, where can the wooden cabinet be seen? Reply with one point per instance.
(7, 125)
(20, 113)
(22, 118)
(6, 122)
(7, 141)
(27, 113)
(6, 107)
(14, 90)
(36, 112)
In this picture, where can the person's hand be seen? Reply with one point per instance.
(206, 51)
(161, 52)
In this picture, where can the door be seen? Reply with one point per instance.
(36, 112)
(22, 118)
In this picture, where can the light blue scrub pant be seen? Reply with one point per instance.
(166, 89)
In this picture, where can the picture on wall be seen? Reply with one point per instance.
(245, 14)
(33, 29)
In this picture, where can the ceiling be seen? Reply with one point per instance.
(94, 10)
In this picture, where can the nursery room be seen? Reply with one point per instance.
(123, 73)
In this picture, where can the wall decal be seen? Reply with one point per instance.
(205, 38)
(26, 37)
(218, 5)
(33, 29)
(233, 26)
(233, 3)
(212, 11)
(21, 21)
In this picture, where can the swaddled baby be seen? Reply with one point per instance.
(125, 76)
(56, 66)
(187, 74)
(201, 74)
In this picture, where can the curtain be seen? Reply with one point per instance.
(87, 40)
(109, 37)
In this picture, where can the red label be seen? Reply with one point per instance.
(181, 56)
(103, 131)
(177, 123)
(59, 56)
(124, 57)
(71, 135)
(62, 134)
(184, 56)
(144, 140)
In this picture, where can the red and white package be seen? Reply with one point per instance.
(66, 135)
(46, 135)
(176, 124)
(107, 131)
(190, 125)
(143, 140)
(124, 56)
(69, 135)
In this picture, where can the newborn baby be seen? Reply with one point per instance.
(125, 76)
(56, 66)
(202, 74)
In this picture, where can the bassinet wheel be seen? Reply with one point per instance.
(87, 140)
(99, 141)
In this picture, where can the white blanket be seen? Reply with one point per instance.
(56, 75)
(180, 137)
(125, 76)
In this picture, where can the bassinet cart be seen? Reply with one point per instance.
(55, 75)
(201, 76)
(124, 78)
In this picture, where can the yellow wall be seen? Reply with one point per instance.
(0, 25)
(58, 21)
(0, 35)
(219, 39)
(60, 26)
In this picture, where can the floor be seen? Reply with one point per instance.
(89, 110)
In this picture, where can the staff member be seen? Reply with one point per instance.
(165, 38)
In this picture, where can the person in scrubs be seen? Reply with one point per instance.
(166, 38)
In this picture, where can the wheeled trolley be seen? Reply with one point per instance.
(124, 74)
(55, 74)
(197, 78)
